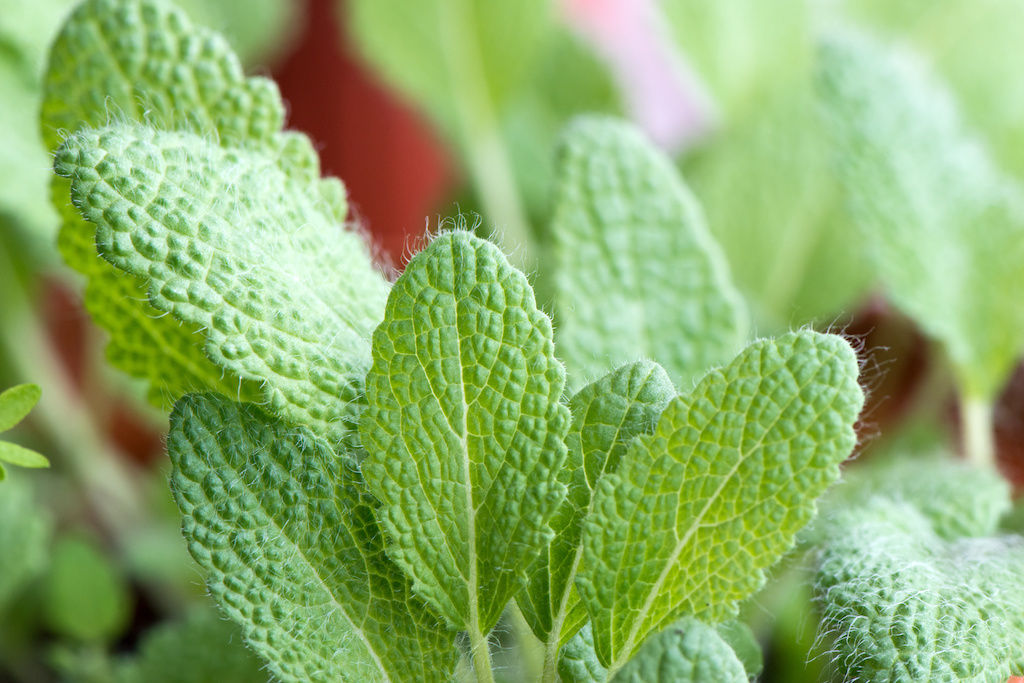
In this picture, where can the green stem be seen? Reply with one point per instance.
(551, 659)
(110, 486)
(480, 136)
(481, 650)
(978, 430)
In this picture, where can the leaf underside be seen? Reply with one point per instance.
(924, 188)
(138, 66)
(293, 551)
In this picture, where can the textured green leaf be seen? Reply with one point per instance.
(454, 58)
(925, 189)
(293, 552)
(700, 509)
(231, 242)
(464, 429)
(903, 604)
(202, 646)
(578, 662)
(689, 651)
(16, 403)
(24, 537)
(85, 597)
(606, 415)
(636, 272)
(140, 59)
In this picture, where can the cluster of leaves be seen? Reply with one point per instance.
(371, 468)
(368, 469)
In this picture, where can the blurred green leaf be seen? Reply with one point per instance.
(86, 598)
(202, 646)
(24, 536)
(944, 226)
(976, 46)
(460, 60)
(637, 273)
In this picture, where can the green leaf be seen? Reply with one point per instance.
(86, 599)
(689, 651)
(24, 537)
(258, 30)
(977, 48)
(464, 429)
(607, 414)
(636, 272)
(202, 646)
(293, 552)
(701, 508)
(16, 403)
(903, 604)
(775, 206)
(20, 456)
(143, 60)
(460, 60)
(254, 255)
(741, 639)
(925, 188)
(578, 662)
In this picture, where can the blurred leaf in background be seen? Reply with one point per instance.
(86, 598)
(24, 538)
(976, 46)
(764, 179)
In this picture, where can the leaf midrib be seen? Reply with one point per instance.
(301, 552)
(694, 526)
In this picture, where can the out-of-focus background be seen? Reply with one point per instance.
(94, 578)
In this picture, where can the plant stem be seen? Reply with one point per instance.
(551, 659)
(479, 134)
(978, 430)
(111, 486)
(481, 650)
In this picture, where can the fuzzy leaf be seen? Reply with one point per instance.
(16, 403)
(142, 60)
(689, 651)
(231, 242)
(578, 662)
(903, 604)
(925, 188)
(293, 552)
(957, 497)
(698, 510)
(636, 272)
(607, 414)
(464, 429)
(460, 60)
